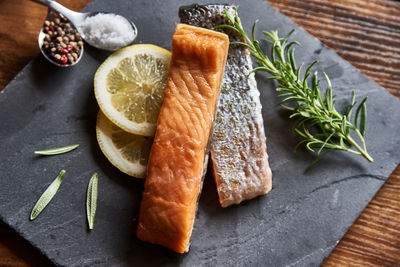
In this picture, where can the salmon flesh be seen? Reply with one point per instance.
(176, 163)
(238, 143)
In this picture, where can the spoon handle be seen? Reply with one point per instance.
(74, 17)
(43, 2)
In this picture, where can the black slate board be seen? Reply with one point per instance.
(297, 224)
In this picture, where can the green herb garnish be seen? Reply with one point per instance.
(56, 151)
(91, 200)
(47, 196)
(321, 126)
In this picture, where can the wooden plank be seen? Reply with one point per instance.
(367, 34)
(364, 32)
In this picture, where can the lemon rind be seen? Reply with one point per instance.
(103, 135)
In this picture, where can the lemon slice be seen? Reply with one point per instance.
(129, 87)
(128, 152)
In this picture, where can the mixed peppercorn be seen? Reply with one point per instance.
(62, 43)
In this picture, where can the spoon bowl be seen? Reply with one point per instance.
(41, 37)
(96, 45)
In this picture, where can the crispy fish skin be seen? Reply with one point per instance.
(176, 164)
(238, 143)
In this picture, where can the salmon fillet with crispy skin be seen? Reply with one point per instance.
(176, 163)
(237, 145)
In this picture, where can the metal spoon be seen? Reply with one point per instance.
(77, 18)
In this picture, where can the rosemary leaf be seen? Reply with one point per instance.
(91, 200)
(363, 119)
(56, 151)
(47, 196)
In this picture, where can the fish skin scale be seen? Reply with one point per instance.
(176, 164)
(238, 143)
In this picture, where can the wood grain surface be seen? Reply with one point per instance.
(364, 32)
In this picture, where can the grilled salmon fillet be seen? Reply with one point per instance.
(176, 163)
(238, 143)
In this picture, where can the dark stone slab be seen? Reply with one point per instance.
(296, 224)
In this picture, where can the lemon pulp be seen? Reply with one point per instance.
(140, 79)
(129, 87)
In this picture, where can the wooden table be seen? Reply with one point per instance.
(364, 32)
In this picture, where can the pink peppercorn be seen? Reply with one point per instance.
(64, 59)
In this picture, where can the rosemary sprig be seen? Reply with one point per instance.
(47, 196)
(56, 151)
(91, 200)
(320, 125)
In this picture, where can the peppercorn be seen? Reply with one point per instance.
(64, 60)
(70, 59)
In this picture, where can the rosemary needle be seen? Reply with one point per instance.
(91, 200)
(56, 151)
(320, 125)
(47, 196)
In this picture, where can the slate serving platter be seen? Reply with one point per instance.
(297, 224)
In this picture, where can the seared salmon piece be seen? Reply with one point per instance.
(238, 144)
(176, 164)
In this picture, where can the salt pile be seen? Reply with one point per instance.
(107, 31)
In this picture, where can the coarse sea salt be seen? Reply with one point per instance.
(107, 31)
